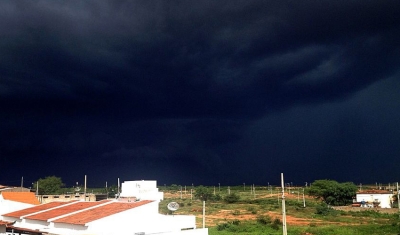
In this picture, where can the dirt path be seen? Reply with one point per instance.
(227, 215)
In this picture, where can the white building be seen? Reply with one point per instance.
(380, 198)
(141, 190)
(107, 217)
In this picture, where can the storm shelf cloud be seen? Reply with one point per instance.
(200, 91)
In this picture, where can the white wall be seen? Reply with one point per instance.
(383, 198)
(143, 190)
(7, 206)
(67, 229)
(32, 224)
(202, 231)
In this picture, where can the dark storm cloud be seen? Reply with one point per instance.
(181, 80)
(194, 58)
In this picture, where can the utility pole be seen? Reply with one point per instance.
(204, 214)
(106, 190)
(283, 207)
(304, 200)
(397, 184)
(118, 188)
(84, 194)
(298, 195)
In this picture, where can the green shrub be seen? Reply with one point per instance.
(232, 198)
(324, 209)
(276, 223)
(236, 212)
(264, 219)
(216, 198)
(253, 210)
(235, 222)
(222, 226)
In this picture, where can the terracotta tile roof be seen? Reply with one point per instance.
(24, 197)
(64, 210)
(99, 212)
(35, 209)
(2, 222)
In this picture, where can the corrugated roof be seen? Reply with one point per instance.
(35, 209)
(64, 210)
(99, 212)
(24, 197)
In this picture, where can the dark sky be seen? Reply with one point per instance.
(201, 92)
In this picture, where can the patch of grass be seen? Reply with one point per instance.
(363, 222)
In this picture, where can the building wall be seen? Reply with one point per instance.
(143, 190)
(67, 229)
(202, 231)
(65, 198)
(7, 206)
(385, 199)
(2, 229)
(15, 189)
(33, 224)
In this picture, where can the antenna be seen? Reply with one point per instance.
(77, 188)
(173, 206)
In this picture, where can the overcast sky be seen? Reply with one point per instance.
(201, 92)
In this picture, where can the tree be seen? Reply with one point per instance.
(202, 193)
(49, 185)
(332, 192)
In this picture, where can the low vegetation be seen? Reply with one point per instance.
(239, 211)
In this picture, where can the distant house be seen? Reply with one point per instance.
(376, 198)
(12, 201)
(66, 197)
(4, 188)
